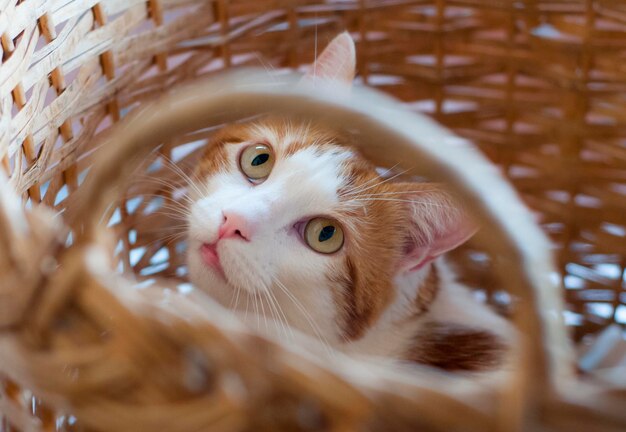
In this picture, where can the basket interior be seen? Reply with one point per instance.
(537, 85)
(554, 127)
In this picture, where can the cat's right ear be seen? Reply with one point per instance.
(434, 223)
(337, 63)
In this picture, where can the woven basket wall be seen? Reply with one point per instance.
(537, 85)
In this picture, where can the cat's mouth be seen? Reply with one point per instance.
(225, 261)
(210, 257)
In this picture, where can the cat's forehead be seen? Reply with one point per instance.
(301, 145)
(290, 137)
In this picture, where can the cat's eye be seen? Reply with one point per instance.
(323, 235)
(256, 161)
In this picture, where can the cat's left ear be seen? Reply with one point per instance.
(337, 63)
(434, 223)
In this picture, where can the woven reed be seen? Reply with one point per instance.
(536, 84)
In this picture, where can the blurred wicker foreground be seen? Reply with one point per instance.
(538, 85)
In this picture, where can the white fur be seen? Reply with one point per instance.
(276, 259)
(393, 333)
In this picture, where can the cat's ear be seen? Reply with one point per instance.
(337, 63)
(434, 223)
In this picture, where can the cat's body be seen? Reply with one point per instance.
(290, 223)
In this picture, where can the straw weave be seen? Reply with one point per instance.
(537, 85)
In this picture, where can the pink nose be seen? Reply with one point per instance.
(235, 225)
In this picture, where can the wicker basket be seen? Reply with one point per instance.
(536, 84)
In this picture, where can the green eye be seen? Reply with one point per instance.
(323, 235)
(256, 161)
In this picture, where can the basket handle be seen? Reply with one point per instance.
(524, 259)
(28, 241)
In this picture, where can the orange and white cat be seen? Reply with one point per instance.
(294, 225)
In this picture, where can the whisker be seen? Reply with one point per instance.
(306, 315)
(166, 187)
(169, 163)
(168, 203)
(263, 311)
(424, 203)
(399, 193)
(256, 308)
(286, 320)
(371, 180)
(247, 305)
(165, 201)
(168, 230)
(232, 298)
(362, 189)
(237, 298)
(266, 293)
(166, 241)
(187, 201)
(282, 320)
(265, 65)
(176, 210)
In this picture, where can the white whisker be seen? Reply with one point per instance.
(306, 315)
(424, 203)
(407, 193)
(256, 312)
(245, 317)
(282, 318)
(370, 180)
(184, 176)
(361, 189)
(263, 311)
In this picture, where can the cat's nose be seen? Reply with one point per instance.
(235, 225)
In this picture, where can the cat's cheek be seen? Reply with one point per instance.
(204, 221)
(247, 265)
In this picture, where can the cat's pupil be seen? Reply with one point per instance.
(326, 233)
(260, 159)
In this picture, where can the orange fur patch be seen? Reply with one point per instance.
(427, 292)
(377, 219)
(215, 157)
(454, 347)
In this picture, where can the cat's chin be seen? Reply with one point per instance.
(215, 282)
(205, 277)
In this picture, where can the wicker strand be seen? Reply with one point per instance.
(537, 84)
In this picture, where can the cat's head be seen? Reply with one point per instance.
(289, 221)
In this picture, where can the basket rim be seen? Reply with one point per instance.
(432, 149)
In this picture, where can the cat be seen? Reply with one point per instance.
(290, 223)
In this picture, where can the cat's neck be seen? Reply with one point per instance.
(444, 319)
(389, 335)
